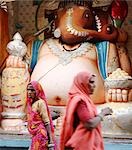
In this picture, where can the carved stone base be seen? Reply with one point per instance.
(118, 125)
(58, 122)
(14, 125)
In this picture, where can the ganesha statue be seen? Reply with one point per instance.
(15, 78)
(81, 39)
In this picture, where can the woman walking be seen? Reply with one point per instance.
(82, 124)
(40, 124)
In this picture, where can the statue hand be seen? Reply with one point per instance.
(119, 95)
(122, 36)
(15, 62)
(106, 111)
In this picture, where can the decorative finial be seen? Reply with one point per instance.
(17, 47)
(17, 36)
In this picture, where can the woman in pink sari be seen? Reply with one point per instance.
(81, 126)
(39, 119)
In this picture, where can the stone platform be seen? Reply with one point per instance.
(119, 124)
(116, 129)
(22, 142)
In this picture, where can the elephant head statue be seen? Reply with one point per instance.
(79, 21)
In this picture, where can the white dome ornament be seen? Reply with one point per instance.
(57, 33)
(17, 47)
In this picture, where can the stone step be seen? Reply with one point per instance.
(22, 142)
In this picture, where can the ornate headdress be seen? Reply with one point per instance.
(99, 3)
(64, 3)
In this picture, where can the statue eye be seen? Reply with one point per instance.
(86, 15)
(109, 29)
(55, 17)
(105, 8)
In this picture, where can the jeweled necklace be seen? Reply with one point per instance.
(66, 56)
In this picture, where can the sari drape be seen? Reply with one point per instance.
(36, 125)
(80, 138)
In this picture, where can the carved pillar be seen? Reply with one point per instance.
(15, 78)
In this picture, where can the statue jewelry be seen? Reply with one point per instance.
(66, 56)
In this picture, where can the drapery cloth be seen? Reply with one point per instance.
(80, 138)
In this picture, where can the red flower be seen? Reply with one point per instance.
(118, 11)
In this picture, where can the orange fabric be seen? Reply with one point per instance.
(80, 138)
(82, 111)
(4, 38)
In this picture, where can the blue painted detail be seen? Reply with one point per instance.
(35, 50)
(102, 52)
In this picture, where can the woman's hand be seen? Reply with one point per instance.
(93, 122)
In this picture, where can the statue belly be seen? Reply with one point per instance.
(56, 81)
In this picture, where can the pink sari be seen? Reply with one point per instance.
(80, 138)
(35, 123)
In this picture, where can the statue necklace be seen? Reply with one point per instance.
(65, 56)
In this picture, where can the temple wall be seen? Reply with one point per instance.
(22, 17)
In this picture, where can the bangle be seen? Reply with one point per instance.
(101, 117)
(51, 145)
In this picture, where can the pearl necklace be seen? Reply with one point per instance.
(65, 57)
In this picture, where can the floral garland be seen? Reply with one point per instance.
(66, 57)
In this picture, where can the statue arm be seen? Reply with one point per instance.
(113, 59)
(124, 59)
(118, 58)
